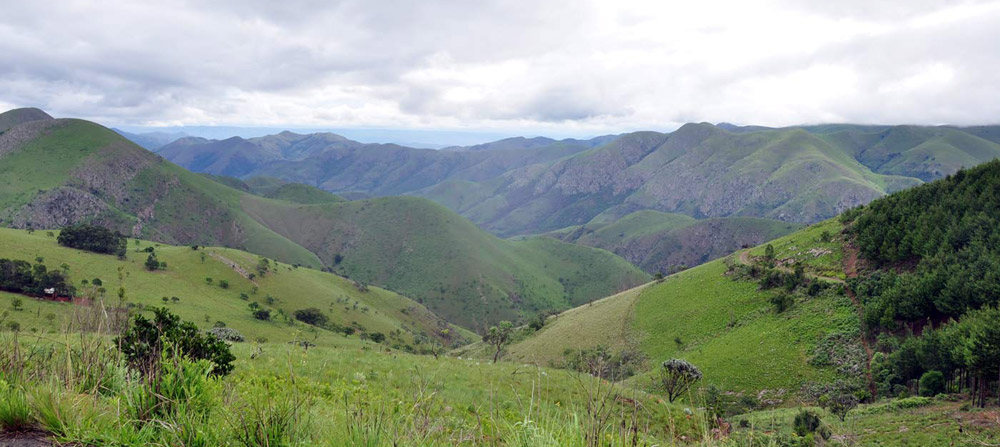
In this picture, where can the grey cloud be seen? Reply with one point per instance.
(440, 63)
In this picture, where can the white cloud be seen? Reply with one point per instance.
(584, 67)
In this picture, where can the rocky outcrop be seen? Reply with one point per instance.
(58, 208)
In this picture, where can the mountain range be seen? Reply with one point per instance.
(568, 188)
(63, 171)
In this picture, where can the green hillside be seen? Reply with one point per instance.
(283, 290)
(425, 251)
(723, 322)
(68, 171)
(664, 242)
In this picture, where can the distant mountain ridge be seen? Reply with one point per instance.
(532, 185)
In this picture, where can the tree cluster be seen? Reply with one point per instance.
(959, 356)
(943, 237)
(93, 238)
(17, 276)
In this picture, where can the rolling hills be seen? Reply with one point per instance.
(283, 290)
(62, 171)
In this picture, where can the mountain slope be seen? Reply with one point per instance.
(421, 249)
(64, 171)
(663, 242)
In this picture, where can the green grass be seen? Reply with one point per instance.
(940, 423)
(729, 330)
(727, 327)
(606, 322)
(204, 304)
(349, 396)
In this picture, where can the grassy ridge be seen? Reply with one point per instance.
(203, 303)
(725, 326)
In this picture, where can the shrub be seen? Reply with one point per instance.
(376, 337)
(262, 314)
(311, 316)
(781, 302)
(932, 383)
(93, 238)
(807, 423)
(601, 362)
(227, 334)
(145, 343)
(224, 284)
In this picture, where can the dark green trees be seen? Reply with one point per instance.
(93, 238)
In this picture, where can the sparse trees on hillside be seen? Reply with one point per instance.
(676, 376)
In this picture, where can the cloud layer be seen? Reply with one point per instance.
(569, 67)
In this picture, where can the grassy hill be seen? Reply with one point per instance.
(283, 291)
(59, 172)
(425, 251)
(15, 117)
(723, 323)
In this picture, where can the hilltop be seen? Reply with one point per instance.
(64, 171)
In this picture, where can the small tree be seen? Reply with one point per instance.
(839, 404)
(18, 304)
(152, 263)
(676, 377)
(499, 336)
(769, 252)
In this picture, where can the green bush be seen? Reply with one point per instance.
(932, 383)
(146, 342)
(311, 316)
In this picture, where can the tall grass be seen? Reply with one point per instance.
(77, 387)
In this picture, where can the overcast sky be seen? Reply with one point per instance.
(524, 67)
